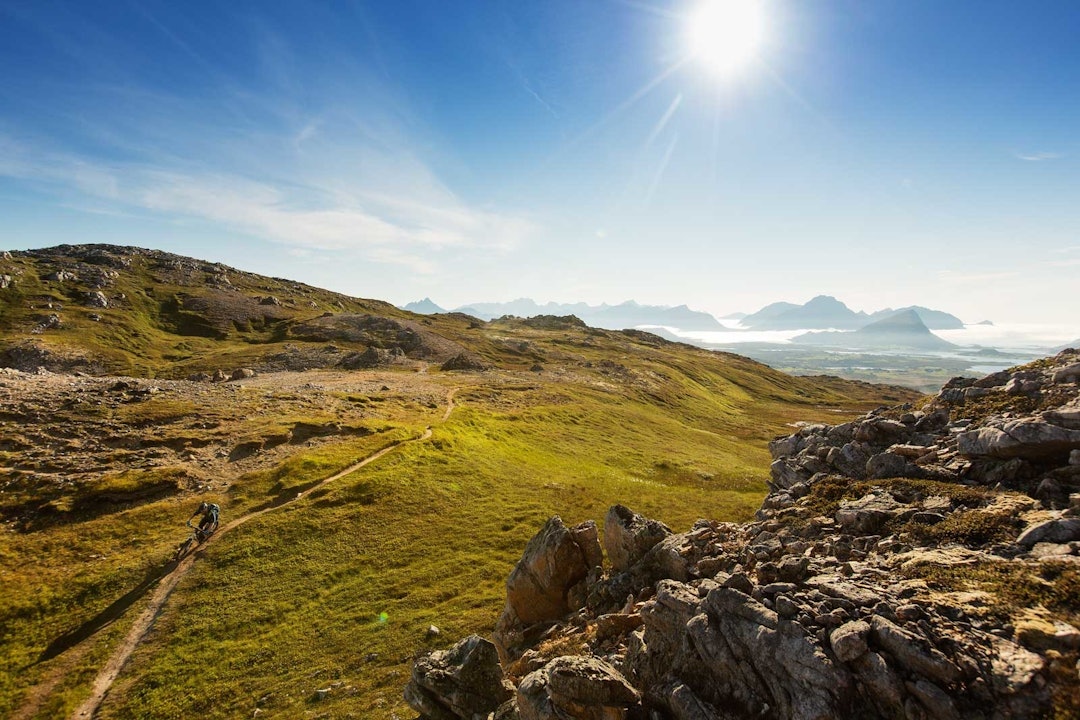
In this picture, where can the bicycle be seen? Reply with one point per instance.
(197, 537)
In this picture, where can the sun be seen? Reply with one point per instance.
(725, 35)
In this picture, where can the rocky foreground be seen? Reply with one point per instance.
(914, 563)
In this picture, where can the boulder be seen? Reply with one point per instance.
(786, 472)
(538, 588)
(628, 536)
(464, 682)
(881, 431)
(242, 374)
(1067, 374)
(851, 459)
(585, 688)
(891, 465)
(370, 358)
(849, 640)
(96, 299)
(1030, 438)
(1057, 530)
(463, 361)
(868, 514)
(912, 652)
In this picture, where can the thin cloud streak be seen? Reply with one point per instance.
(1038, 157)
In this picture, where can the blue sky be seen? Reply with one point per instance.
(888, 152)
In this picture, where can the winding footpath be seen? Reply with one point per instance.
(108, 674)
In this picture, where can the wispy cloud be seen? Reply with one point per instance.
(303, 216)
(1038, 156)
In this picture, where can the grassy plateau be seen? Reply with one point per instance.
(316, 604)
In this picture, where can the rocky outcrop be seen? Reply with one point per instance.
(852, 594)
(541, 588)
(575, 687)
(462, 682)
(463, 361)
(971, 432)
(628, 536)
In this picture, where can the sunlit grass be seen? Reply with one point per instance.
(340, 586)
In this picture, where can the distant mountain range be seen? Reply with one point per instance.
(903, 330)
(423, 307)
(827, 313)
(612, 317)
(823, 312)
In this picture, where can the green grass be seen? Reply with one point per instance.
(341, 585)
(426, 536)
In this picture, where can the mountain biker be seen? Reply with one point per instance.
(209, 522)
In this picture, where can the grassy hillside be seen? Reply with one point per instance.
(333, 591)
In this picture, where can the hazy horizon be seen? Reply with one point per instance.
(889, 154)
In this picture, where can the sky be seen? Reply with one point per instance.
(886, 152)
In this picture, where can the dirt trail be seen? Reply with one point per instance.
(145, 621)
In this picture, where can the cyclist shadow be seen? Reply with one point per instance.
(108, 615)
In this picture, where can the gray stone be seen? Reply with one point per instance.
(628, 536)
(881, 684)
(463, 682)
(890, 465)
(589, 681)
(96, 299)
(868, 514)
(1030, 438)
(1068, 374)
(684, 704)
(1013, 667)
(1058, 530)
(849, 640)
(785, 472)
(851, 459)
(575, 687)
(936, 701)
(912, 652)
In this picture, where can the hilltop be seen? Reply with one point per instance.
(377, 470)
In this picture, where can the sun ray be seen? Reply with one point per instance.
(619, 109)
(663, 121)
(661, 169)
